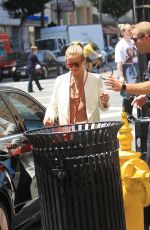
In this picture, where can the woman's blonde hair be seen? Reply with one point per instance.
(122, 28)
(75, 48)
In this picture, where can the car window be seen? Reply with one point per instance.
(64, 40)
(23, 58)
(63, 51)
(60, 43)
(31, 113)
(12, 56)
(7, 122)
(40, 56)
(47, 56)
(47, 44)
(1, 49)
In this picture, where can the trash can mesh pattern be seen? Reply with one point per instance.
(78, 176)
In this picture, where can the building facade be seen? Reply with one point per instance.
(84, 13)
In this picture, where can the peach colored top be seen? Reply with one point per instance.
(77, 102)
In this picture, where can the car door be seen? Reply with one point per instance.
(28, 115)
(50, 61)
(14, 179)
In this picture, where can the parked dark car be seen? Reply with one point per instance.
(50, 66)
(61, 57)
(19, 202)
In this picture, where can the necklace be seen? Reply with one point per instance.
(81, 90)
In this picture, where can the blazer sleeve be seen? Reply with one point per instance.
(52, 108)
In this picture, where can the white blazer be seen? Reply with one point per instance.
(60, 101)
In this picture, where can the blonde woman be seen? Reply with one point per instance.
(77, 95)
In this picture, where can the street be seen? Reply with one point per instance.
(113, 114)
(44, 97)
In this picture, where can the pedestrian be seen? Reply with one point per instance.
(77, 95)
(127, 65)
(91, 55)
(31, 65)
(141, 37)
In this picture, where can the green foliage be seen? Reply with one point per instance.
(114, 8)
(23, 8)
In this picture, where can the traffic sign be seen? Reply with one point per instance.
(67, 6)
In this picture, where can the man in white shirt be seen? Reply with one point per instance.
(141, 37)
(126, 59)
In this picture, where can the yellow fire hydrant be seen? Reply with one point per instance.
(135, 177)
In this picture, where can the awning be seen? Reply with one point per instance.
(37, 18)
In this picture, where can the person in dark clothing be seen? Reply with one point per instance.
(31, 64)
(141, 37)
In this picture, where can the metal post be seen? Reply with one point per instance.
(58, 11)
(134, 11)
(100, 11)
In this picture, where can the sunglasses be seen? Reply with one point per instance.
(135, 39)
(74, 64)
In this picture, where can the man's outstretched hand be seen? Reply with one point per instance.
(113, 84)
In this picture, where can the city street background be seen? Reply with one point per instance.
(113, 114)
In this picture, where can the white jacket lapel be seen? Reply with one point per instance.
(89, 89)
(65, 97)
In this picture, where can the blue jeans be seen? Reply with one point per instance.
(130, 72)
(32, 77)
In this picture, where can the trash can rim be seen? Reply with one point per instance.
(113, 124)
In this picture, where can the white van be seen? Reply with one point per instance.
(54, 38)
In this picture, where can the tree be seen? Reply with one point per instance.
(21, 9)
(114, 8)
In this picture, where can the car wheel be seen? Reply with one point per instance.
(16, 78)
(45, 72)
(4, 220)
(60, 70)
(1, 77)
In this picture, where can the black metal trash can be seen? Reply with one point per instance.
(141, 134)
(78, 176)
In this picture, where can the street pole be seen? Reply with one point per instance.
(58, 11)
(100, 11)
(134, 11)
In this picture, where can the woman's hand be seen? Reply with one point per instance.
(104, 99)
(48, 122)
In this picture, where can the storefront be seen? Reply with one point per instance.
(110, 35)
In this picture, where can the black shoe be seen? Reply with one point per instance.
(131, 119)
(31, 91)
(41, 89)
